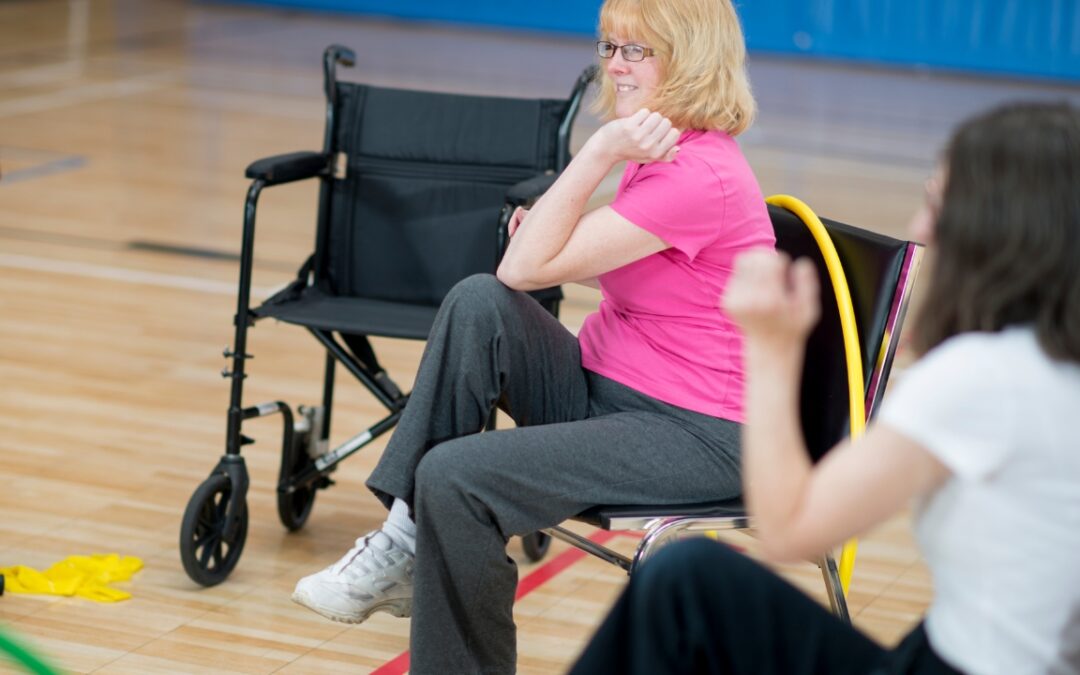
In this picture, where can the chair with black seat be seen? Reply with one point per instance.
(879, 273)
(417, 189)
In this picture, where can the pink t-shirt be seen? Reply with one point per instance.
(659, 329)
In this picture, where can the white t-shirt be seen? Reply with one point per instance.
(1002, 535)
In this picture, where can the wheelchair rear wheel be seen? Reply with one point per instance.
(294, 507)
(207, 552)
(536, 545)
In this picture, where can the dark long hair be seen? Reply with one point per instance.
(1007, 238)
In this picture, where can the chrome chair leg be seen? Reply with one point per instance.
(590, 547)
(657, 537)
(837, 601)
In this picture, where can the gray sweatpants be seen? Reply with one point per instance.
(581, 440)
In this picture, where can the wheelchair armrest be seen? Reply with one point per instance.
(288, 168)
(521, 194)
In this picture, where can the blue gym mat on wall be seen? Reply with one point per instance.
(1038, 38)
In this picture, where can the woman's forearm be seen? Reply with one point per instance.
(776, 465)
(776, 304)
(548, 225)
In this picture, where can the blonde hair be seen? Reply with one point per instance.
(702, 56)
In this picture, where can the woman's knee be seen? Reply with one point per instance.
(478, 294)
(443, 473)
(454, 483)
(689, 555)
(480, 283)
(697, 563)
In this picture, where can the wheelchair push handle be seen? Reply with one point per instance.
(563, 148)
(587, 77)
(334, 55)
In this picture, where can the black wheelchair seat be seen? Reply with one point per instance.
(314, 308)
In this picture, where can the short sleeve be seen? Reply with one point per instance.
(682, 202)
(955, 404)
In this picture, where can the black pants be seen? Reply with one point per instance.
(700, 607)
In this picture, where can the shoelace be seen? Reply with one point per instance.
(365, 556)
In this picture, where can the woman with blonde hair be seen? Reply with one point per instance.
(643, 406)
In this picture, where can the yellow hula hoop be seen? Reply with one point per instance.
(852, 352)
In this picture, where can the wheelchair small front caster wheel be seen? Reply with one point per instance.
(208, 553)
(294, 507)
(535, 545)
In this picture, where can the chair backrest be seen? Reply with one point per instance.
(425, 179)
(880, 271)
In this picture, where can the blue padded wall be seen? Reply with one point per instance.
(1019, 37)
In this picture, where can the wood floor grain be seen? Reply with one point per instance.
(124, 130)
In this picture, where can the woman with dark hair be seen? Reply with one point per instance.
(644, 405)
(978, 435)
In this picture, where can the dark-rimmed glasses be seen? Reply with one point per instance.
(635, 53)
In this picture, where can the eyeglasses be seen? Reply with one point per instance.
(606, 50)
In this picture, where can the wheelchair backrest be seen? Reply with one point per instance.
(425, 180)
(877, 269)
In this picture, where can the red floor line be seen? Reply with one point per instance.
(538, 577)
(396, 666)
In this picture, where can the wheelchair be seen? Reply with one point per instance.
(417, 189)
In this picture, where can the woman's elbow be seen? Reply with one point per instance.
(513, 277)
(506, 275)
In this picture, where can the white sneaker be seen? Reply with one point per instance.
(375, 575)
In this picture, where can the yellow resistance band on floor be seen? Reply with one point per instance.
(857, 413)
(85, 576)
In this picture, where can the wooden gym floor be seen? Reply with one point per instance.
(125, 127)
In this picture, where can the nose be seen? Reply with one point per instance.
(617, 65)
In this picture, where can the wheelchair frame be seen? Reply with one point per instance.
(214, 526)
